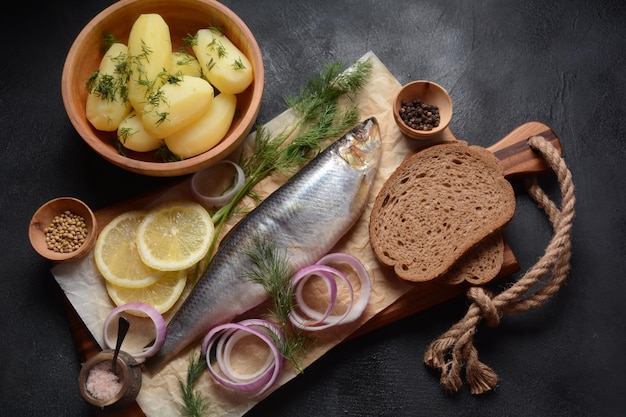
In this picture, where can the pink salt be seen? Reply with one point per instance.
(101, 383)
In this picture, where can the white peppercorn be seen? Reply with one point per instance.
(66, 233)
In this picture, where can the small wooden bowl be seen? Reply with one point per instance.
(430, 93)
(128, 372)
(44, 216)
(183, 17)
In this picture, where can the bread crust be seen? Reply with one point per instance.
(480, 264)
(437, 205)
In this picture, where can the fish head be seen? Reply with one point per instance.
(362, 147)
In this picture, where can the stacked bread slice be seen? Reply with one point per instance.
(440, 215)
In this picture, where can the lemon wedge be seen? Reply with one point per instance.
(116, 255)
(175, 236)
(162, 295)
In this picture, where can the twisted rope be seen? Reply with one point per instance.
(455, 348)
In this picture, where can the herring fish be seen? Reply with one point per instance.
(304, 218)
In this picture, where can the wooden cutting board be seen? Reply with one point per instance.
(518, 160)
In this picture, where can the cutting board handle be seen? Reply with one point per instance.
(517, 157)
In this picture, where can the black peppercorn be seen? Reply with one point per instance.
(419, 115)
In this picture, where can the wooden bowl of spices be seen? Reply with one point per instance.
(63, 229)
(422, 109)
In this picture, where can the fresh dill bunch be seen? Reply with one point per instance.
(194, 404)
(321, 119)
(273, 272)
(320, 115)
(327, 86)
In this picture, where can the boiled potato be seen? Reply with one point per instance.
(223, 64)
(207, 131)
(132, 134)
(107, 104)
(176, 105)
(185, 64)
(149, 55)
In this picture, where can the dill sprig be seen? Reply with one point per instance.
(194, 404)
(326, 87)
(238, 64)
(163, 153)
(107, 40)
(273, 272)
(110, 87)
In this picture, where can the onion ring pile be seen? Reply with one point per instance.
(313, 320)
(222, 339)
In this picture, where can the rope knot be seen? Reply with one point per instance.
(488, 310)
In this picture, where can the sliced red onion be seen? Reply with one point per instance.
(364, 280)
(152, 314)
(208, 176)
(224, 337)
(299, 280)
(316, 320)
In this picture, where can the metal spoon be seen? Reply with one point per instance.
(122, 329)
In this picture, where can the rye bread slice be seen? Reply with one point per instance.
(437, 205)
(480, 264)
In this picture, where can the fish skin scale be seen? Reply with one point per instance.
(304, 218)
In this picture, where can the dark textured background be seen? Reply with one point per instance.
(504, 63)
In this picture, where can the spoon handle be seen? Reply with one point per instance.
(122, 329)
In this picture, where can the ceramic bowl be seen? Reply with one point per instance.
(183, 17)
(44, 216)
(427, 92)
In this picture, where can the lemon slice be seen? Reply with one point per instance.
(162, 295)
(175, 236)
(116, 254)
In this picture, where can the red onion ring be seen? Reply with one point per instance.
(365, 281)
(317, 320)
(224, 337)
(153, 314)
(208, 174)
(320, 321)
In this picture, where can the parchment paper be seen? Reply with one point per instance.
(160, 394)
